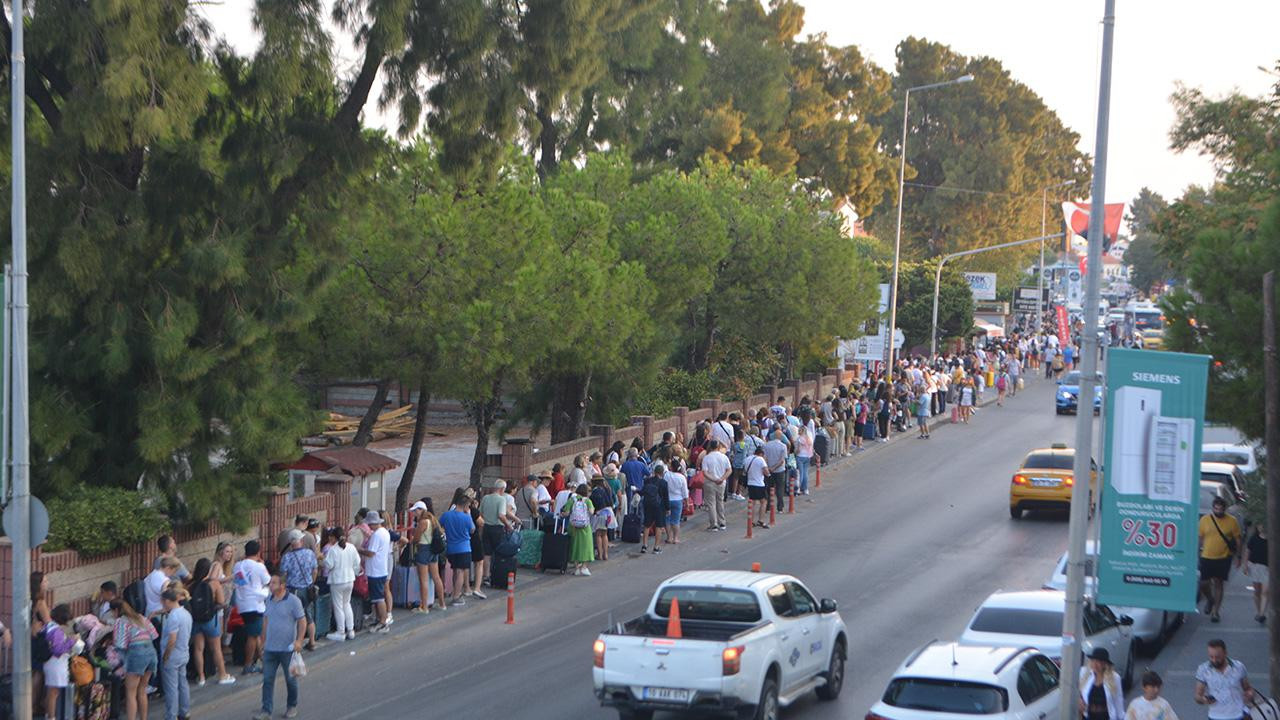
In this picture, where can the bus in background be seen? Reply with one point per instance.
(1145, 320)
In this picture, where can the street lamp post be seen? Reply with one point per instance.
(937, 278)
(1044, 216)
(897, 236)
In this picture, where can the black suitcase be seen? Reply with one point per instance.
(498, 568)
(555, 548)
(822, 447)
(632, 529)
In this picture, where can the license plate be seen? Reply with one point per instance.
(672, 695)
(1045, 482)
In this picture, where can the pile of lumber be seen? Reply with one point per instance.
(341, 429)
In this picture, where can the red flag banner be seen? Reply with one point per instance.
(1064, 332)
(1077, 217)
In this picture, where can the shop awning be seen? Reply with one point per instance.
(988, 329)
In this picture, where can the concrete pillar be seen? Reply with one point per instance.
(682, 427)
(645, 421)
(605, 433)
(517, 458)
(713, 405)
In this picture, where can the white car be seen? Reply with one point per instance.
(941, 680)
(1034, 618)
(1150, 627)
(1242, 456)
(750, 643)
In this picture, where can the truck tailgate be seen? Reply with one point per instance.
(663, 670)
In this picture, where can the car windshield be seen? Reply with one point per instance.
(945, 696)
(1048, 461)
(1071, 378)
(1018, 621)
(710, 604)
(1215, 477)
(1224, 456)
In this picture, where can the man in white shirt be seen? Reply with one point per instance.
(722, 430)
(377, 566)
(252, 582)
(716, 468)
(1223, 684)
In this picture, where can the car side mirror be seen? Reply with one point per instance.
(826, 606)
(1126, 620)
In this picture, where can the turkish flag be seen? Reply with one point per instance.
(1077, 217)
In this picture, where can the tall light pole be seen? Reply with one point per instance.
(897, 236)
(1044, 216)
(1072, 618)
(20, 534)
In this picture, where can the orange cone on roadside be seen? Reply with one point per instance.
(673, 621)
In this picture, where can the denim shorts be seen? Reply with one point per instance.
(211, 628)
(424, 556)
(140, 658)
(377, 588)
(676, 510)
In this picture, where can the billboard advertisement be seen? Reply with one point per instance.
(983, 285)
(1025, 300)
(872, 345)
(1150, 505)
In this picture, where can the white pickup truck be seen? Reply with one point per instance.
(751, 643)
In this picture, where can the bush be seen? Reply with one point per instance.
(97, 520)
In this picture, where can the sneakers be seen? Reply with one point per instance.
(585, 572)
(351, 635)
(227, 680)
(254, 668)
(291, 712)
(262, 716)
(419, 610)
(477, 593)
(656, 550)
(200, 683)
(335, 637)
(722, 526)
(383, 629)
(714, 528)
(458, 602)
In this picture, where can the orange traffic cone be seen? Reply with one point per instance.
(673, 621)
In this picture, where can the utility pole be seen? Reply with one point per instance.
(20, 534)
(1271, 440)
(1072, 620)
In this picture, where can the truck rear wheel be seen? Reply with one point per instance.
(835, 675)
(767, 708)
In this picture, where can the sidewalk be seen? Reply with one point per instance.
(206, 700)
(1246, 641)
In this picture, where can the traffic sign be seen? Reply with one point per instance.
(39, 527)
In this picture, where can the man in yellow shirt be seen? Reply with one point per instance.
(1219, 544)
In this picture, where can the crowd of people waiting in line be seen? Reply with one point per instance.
(177, 624)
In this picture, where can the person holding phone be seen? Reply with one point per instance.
(1223, 684)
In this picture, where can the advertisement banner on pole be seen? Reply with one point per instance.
(1151, 479)
(982, 284)
(1064, 329)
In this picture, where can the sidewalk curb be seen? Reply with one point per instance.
(531, 581)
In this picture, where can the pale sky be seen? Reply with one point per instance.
(1053, 47)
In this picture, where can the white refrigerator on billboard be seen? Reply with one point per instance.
(1135, 409)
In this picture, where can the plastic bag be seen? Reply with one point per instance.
(297, 668)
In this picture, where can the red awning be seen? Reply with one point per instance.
(353, 461)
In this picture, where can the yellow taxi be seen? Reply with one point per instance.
(1045, 479)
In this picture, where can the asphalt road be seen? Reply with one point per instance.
(909, 538)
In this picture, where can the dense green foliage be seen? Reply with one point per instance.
(1222, 239)
(915, 306)
(1147, 267)
(96, 520)
(993, 135)
(583, 201)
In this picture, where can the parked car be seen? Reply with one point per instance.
(749, 643)
(944, 679)
(1034, 618)
(1209, 489)
(1150, 627)
(1242, 456)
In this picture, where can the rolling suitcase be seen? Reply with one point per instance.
(631, 528)
(405, 592)
(822, 447)
(555, 548)
(530, 548)
(324, 615)
(499, 566)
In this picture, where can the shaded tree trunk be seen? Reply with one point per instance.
(706, 339)
(483, 416)
(415, 446)
(548, 137)
(365, 431)
(569, 407)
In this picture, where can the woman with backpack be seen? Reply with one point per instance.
(135, 635)
(578, 509)
(603, 520)
(207, 601)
